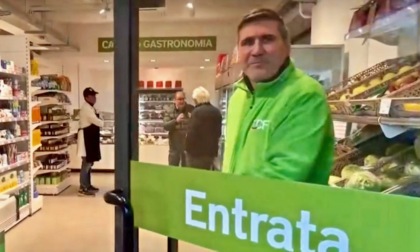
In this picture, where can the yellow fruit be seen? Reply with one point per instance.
(359, 90)
(412, 107)
(404, 69)
(344, 97)
(374, 82)
(388, 76)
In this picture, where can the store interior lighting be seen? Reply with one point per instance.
(207, 60)
(106, 61)
(190, 5)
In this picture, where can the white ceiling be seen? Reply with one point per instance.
(87, 11)
(80, 13)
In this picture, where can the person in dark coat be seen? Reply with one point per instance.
(204, 131)
(88, 141)
(176, 122)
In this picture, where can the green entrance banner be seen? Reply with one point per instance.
(166, 44)
(2, 242)
(224, 212)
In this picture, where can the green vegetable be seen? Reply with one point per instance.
(412, 169)
(349, 170)
(371, 160)
(393, 169)
(364, 180)
(387, 182)
(395, 148)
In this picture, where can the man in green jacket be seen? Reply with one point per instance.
(278, 123)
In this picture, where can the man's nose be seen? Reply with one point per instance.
(258, 48)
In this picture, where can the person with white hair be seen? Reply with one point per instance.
(204, 131)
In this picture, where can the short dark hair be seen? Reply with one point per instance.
(266, 14)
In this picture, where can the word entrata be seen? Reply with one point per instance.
(165, 44)
(280, 231)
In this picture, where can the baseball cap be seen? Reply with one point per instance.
(89, 91)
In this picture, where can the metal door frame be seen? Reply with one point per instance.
(126, 76)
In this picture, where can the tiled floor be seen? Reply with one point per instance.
(68, 223)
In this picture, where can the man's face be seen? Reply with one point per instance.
(261, 50)
(91, 99)
(179, 100)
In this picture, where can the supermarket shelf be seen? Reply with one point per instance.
(53, 189)
(40, 172)
(37, 204)
(12, 98)
(36, 169)
(24, 212)
(405, 122)
(42, 123)
(35, 103)
(34, 89)
(43, 153)
(45, 103)
(44, 91)
(60, 136)
(170, 102)
(15, 119)
(16, 188)
(12, 75)
(406, 17)
(14, 140)
(13, 166)
(35, 148)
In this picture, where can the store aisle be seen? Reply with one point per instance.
(69, 223)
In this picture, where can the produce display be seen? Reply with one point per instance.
(400, 164)
(399, 73)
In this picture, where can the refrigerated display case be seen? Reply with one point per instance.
(153, 104)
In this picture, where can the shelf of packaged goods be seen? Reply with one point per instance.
(54, 189)
(60, 136)
(36, 169)
(46, 103)
(24, 212)
(169, 102)
(34, 89)
(16, 188)
(372, 120)
(41, 171)
(12, 98)
(43, 153)
(35, 148)
(12, 75)
(44, 91)
(406, 17)
(42, 123)
(13, 166)
(14, 140)
(14, 119)
(37, 204)
(35, 103)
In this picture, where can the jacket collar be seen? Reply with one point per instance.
(289, 67)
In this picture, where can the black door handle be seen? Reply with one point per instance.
(117, 198)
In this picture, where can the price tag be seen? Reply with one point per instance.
(385, 106)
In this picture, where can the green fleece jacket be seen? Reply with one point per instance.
(282, 130)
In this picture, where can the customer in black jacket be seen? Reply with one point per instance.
(176, 122)
(204, 131)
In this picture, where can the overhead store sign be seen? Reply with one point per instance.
(224, 212)
(165, 44)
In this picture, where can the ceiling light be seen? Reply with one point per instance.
(152, 60)
(207, 60)
(190, 5)
(106, 61)
(102, 11)
(202, 67)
